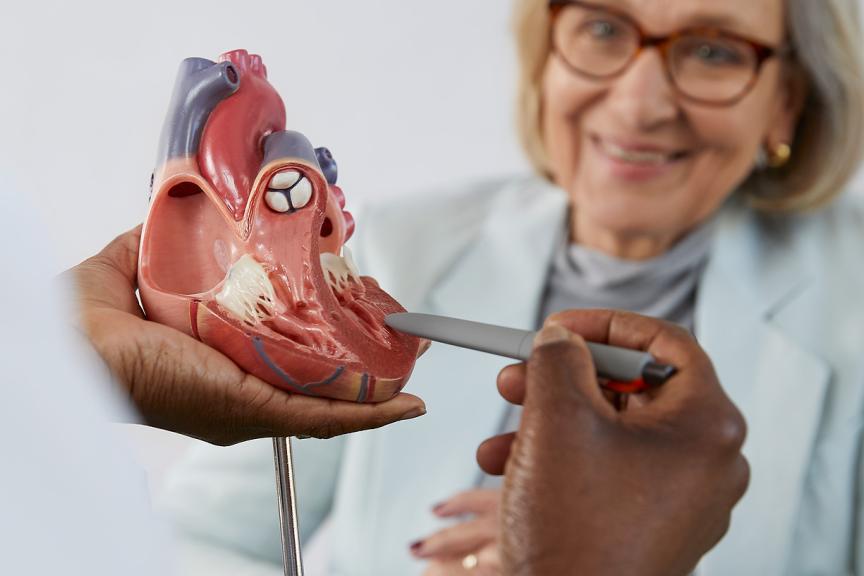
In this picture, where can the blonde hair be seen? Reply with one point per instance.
(829, 139)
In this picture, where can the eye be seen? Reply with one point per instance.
(716, 54)
(601, 29)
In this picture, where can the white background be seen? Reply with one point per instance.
(408, 94)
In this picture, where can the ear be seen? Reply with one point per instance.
(793, 94)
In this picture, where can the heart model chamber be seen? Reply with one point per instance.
(243, 246)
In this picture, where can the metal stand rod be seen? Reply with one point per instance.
(291, 559)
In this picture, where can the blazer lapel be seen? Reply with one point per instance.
(779, 387)
(501, 278)
(498, 279)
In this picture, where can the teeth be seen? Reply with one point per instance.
(288, 191)
(247, 293)
(285, 179)
(339, 271)
(637, 157)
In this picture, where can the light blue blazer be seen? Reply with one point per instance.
(779, 311)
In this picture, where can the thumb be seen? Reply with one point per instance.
(561, 377)
(122, 253)
(109, 279)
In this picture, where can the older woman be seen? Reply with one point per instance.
(683, 148)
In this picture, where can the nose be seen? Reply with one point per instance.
(643, 98)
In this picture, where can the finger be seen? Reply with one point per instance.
(187, 387)
(667, 342)
(741, 477)
(445, 567)
(480, 501)
(511, 383)
(425, 344)
(260, 409)
(122, 252)
(561, 378)
(109, 278)
(457, 540)
(295, 414)
(493, 453)
(487, 564)
(488, 561)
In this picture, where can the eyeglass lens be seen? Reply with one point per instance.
(703, 66)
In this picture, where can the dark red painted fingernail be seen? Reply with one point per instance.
(415, 546)
(438, 507)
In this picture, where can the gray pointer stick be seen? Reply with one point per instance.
(613, 363)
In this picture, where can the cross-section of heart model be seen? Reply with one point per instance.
(243, 246)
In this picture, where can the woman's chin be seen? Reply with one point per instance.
(616, 221)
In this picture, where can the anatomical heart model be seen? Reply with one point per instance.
(243, 245)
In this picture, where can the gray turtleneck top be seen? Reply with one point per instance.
(662, 287)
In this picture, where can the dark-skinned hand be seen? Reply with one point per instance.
(591, 490)
(179, 384)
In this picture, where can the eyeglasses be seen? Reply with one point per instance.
(705, 65)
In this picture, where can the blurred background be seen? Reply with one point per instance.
(407, 95)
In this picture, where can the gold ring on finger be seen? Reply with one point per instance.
(470, 562)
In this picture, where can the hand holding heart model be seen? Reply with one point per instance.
(243, 246)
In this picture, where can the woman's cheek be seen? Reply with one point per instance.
(732, 135)
(565, 103)
(727, 152)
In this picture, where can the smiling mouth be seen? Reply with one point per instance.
(638, 156)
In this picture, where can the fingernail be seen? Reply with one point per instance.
(416, 546)
(437, 509)
(414, 413)
(551, 334)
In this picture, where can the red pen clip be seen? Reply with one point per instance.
(631, 387)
